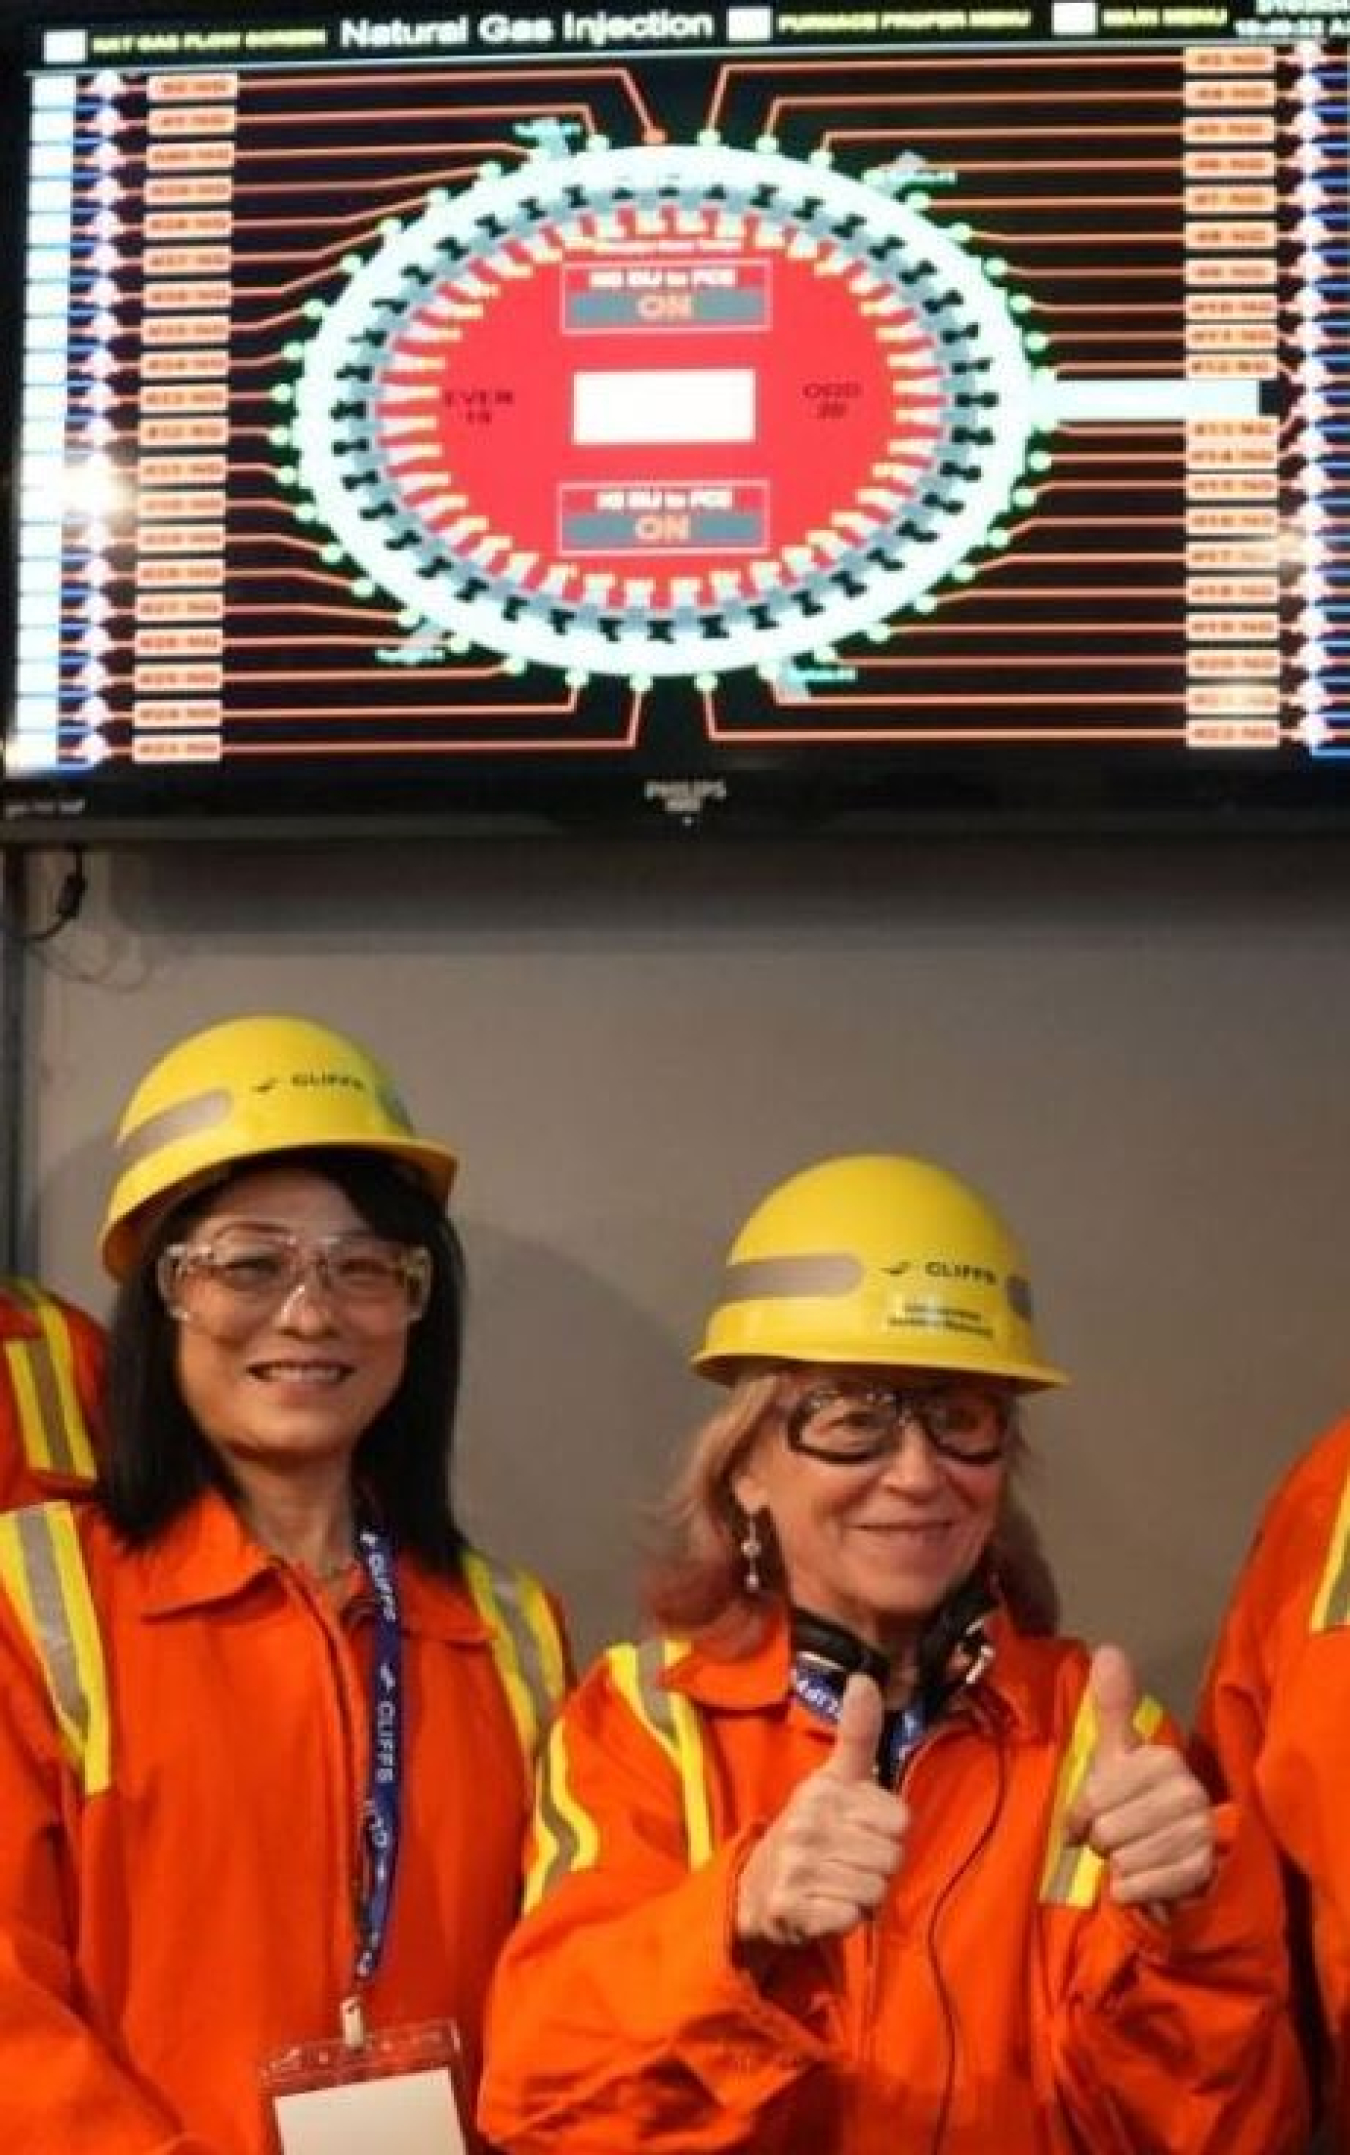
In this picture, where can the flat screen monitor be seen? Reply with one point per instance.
(676, 416)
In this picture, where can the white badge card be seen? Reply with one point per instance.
(397, 2090)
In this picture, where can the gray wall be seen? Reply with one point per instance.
(1140, 1050)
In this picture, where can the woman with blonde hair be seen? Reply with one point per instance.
(853, 1854)
(698, 1582)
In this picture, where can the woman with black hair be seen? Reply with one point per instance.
(266, 1721)
(852, 1855)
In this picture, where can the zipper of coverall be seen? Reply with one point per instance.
(871, 1951)
(961, 1723)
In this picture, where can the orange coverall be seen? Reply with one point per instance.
(165, 1933)
(51, 1391)
(980, 2012)
(1274, 1721)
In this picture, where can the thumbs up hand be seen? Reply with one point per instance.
(857, 1733)
(1140, 1806)
(824, 1864)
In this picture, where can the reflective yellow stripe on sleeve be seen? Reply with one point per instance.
(42, 1568)
(1072, 1874)
(565, 1835)
(526, 1643)
(1331, 1602)
(674, 1722)
(52, 1426)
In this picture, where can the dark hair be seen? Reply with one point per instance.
(158, 1460)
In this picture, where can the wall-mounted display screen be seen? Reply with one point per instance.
(675, 413)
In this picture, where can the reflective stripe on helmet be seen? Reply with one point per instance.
(186, 1118)
(674, 1722)
(42, 1567)
(52, 1426)
(1072, 1874)
(526, 1643)
(775, 1279)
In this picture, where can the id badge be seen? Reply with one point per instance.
(395, 2089)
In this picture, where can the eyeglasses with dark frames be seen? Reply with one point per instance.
(854, 1424)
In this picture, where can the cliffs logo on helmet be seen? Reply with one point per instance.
(941, 1268)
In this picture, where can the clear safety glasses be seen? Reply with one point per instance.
(230, 1283)
(855, 1423)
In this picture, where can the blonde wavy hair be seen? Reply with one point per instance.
(695, 1583)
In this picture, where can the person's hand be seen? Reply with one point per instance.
(1140, 1807)
(825, 1862)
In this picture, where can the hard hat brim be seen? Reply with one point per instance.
(124, 1239)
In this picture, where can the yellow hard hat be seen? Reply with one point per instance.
(875, 1258)
(242, 1091)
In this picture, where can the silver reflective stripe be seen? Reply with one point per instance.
(1336, 1601)
(639, 1674)
(1331, 1603)
(773, 1279)
(525, 1638)
(42, 1566)
(61, 1438)
(526, 1643)
(658, 1704)
(59, 1443)
(49, 1611)
(205, 1111)
(566, 1837)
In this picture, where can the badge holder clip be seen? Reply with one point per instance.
(387, 2087)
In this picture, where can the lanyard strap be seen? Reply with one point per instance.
(381, 1813)
(901, 1732)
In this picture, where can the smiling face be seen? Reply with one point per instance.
(299, 1389)
(877, 1545)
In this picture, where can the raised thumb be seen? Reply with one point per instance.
(1114, 1689)
(857, 1732)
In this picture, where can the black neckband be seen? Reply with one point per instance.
(953, 1650)
(835, 1649)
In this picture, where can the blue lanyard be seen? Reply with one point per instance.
(381, 1812)
(903, 1731)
